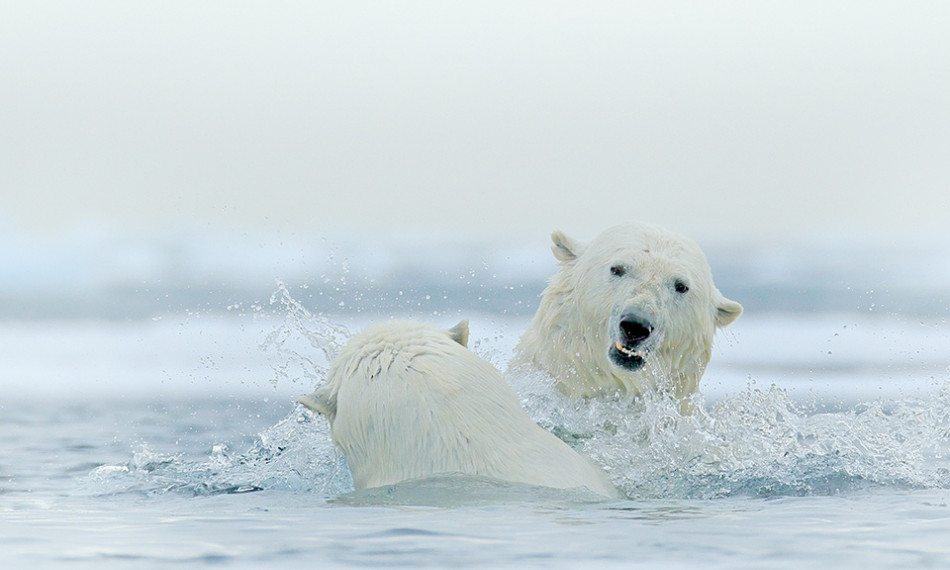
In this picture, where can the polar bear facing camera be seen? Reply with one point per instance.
(407, 400)
(632, 312)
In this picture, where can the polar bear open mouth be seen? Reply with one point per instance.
(627, 357)
(632, 336)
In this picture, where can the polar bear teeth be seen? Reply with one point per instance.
(627, 351)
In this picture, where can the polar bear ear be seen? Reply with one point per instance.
(727, 311)
(459, 333)
(321, 402)
(565, 248)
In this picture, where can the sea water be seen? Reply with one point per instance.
(148, 428)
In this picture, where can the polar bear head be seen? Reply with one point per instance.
(633, 311)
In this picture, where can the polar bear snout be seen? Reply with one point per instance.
(632, 340)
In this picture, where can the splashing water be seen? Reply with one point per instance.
(294, 454)
(319, 332)
(757, 443)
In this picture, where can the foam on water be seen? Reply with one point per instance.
(762, 443)
(759, 442)
(295, 454)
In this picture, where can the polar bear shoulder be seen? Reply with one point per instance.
(407, 400)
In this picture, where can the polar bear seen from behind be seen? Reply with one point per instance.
(632, 312)
(407, 400)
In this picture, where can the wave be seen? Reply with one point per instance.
(760, 442)
(757, 444)
(763, 444)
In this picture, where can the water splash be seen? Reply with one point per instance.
(295, 454)
(318, 331)
(757, 443)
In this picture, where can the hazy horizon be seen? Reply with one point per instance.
(483, 120)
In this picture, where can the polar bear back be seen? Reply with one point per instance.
(407, 400)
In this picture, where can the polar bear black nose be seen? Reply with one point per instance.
(634, 330)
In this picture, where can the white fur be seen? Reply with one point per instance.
(576, 325)
(407, 400)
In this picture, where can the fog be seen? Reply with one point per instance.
(726, 120)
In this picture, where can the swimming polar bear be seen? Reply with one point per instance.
(407, 400)
(632, 312)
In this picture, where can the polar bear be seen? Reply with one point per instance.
(632, 312)
(407, 400)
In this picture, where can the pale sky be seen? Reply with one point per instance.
(719, 119)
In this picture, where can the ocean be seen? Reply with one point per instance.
(148, 413)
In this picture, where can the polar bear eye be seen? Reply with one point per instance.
(618, 270)
(680, 286)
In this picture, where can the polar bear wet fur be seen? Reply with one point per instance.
(407, 400)
(632, 312)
